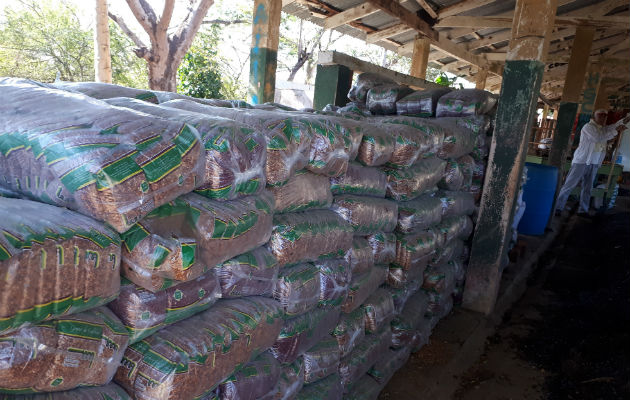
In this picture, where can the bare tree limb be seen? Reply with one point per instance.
(143, 18)
(186, 32)
(226, 21)
(167, 14)
(142, 50)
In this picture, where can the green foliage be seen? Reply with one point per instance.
(127, 68)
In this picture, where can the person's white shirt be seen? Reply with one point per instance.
(593, 139)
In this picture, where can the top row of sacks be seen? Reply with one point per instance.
(119, 159)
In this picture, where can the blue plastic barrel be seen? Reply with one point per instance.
(538, 194)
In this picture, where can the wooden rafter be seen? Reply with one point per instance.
(405, 16)
(426, 7)
(462, 6)
(387, 33)
(349, 15)
(506, 22)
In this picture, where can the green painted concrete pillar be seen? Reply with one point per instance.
(561, 143)
(332, 84)
(515, 115)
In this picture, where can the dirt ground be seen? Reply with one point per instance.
(569, 336)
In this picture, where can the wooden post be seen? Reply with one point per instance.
(545, 112)
(522, 77)
(571, 95)
(420, 58)
(480, 81)
(102, 58)
(332, 84)
(264, 51)
(601, 100)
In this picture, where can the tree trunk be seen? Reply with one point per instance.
(102, 58)
(161, 76)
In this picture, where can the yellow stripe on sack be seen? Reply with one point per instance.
(121, 180)
(183, 307)
(14, 148)
(88, 238)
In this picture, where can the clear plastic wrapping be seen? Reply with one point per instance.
(405, 326)
(398, 276)
(426, 142)
(383, 247)
(321, 360)
(290, 382)
(412, 248)
(256, 379)
(458, 139)
(334, 277)
(364, 82)
(101, 90)
(456, 203)
(402, 294)
(79, 350)
(382, 99)
(478, 124)
(326, 389)
(360, 180)
(379, 310)
(388, 364)
(421, 103)
(304, 191)
(362, 286)
(288, 138)
(407, 184)
(297, 289)
(479, 172)
(366, 215)
(439, 279)
(303, 332)
(250, 274)
(309, 236)
(451, 251)
(365, 354)
(144, 313)
(53, 262)
(440, 305)
(234, 153)
(466, 165)
(360, 256)
(182, 239)
(377, 146)
(188, 359)
(465, 102)
(111, 391)
(366, 388)
(459, 226)
(112, 164)
(419, 214)
(350, 331)
(453, 178)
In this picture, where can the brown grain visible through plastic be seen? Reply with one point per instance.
(412, 248)
(304, 191)
(362, 286)
(407, 184)
(111, 391)
(321, 360)
(350, 330)
(255, 380)
(366, 215)
(298, 289)
(419, 214)
(334, 277)
(383, 247)
(250, 274)
(360, 256)
(363, 357)
(360, 180)
(379, 310)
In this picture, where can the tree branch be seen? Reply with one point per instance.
(142, 16)
(226, 22)
(181, 41)
(167, 14)
(142, 50)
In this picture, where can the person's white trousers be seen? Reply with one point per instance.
(579, 173)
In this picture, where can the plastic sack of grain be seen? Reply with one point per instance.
(399, 277)
(421, 138)
(379, 310)
(407, 184)
(402, 294)
(304, 191)
(423, 331)
(360, 257)
(360, 180)
(144, 313)
(388, 364)
(414, 247)
(418, 214)
(453, 178)
(251, 382)
(476, 187)
(481, 149)
(439, 278)
(364, 82)
(458, 139)
(466, 165)
(421, 103)
(383, 247)
(404, 326)
(328, 388)
(290, 382)
(309, 236)
(51, 356)
(366, 215)
(53, 262)
(288, 138)
(303, 332)
(364, 355)
(350, 330)
(459, 226)
(235, 154)
(297, 289)
(465, 102)
(354, 109)
(478, 124)
(334, 277)
(253, 273)
(329, 152)
(451, 251)
(362, 286)
(177, 241)
(377, 146)
(347, 133)
(366, 388)
(101, 90)
(456, 203)
(112, 164)
(191, 357)
(440, 305)
(111, 391)
(321, 360)
(382, 99)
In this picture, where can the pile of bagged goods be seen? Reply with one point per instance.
(156, 246)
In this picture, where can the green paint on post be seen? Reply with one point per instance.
(566, 119)
(514, 118)
(262, 75)
(332, 84)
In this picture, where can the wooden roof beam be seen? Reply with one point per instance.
(349, 15)
(394, 30)
(506, 22)
(426, 7)
(462, 6)
(405, 16)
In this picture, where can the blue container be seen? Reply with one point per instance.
(538, 194)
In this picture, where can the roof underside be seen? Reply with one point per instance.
(486, 45)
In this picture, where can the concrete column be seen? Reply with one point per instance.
(264, 50)
(332, 84)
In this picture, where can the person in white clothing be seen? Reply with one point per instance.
(588, 158)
